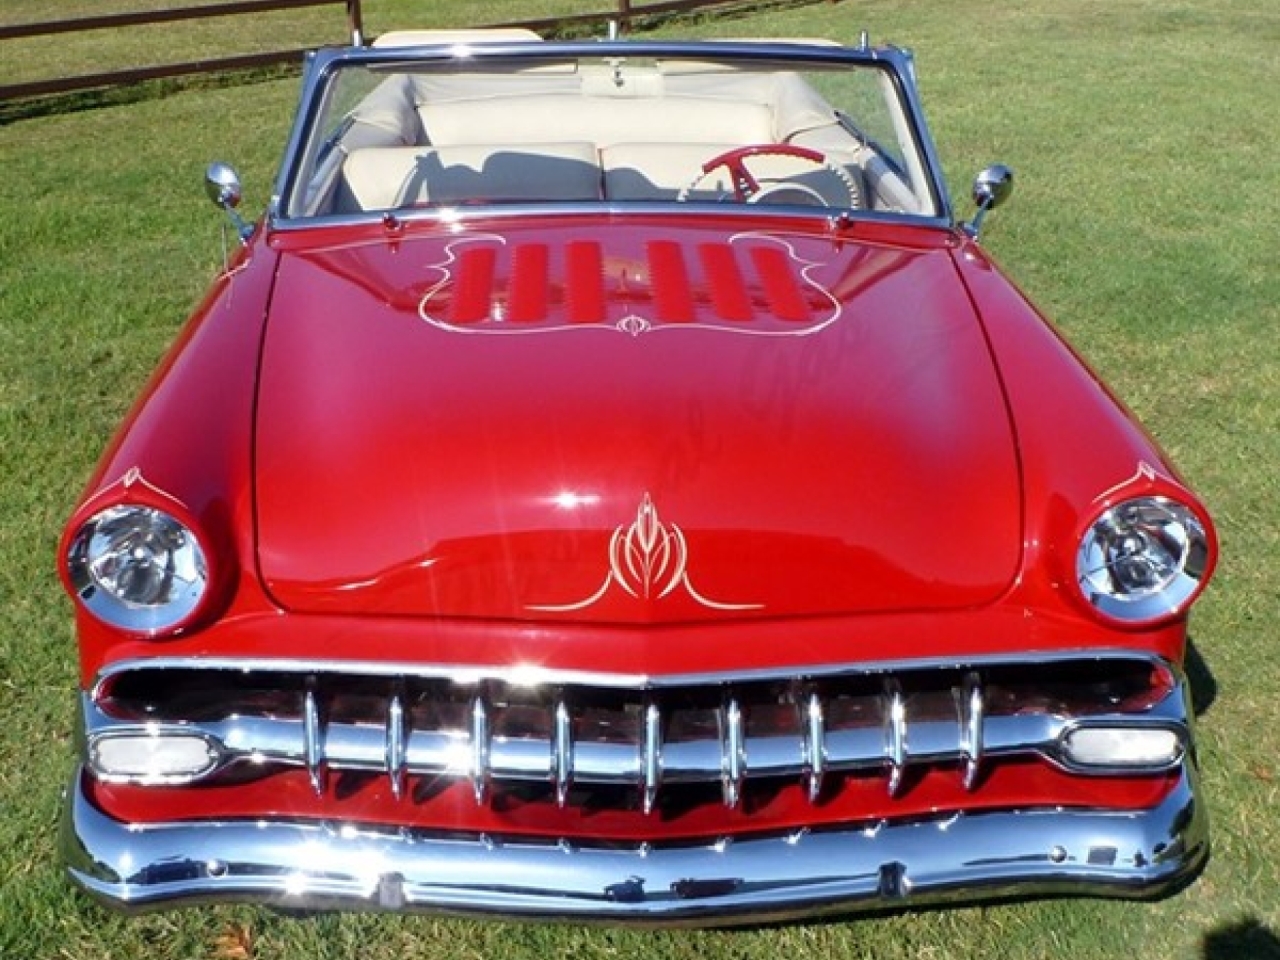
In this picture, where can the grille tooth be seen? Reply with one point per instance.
(651, 756)
(733, 753)
(396, 759)
(895, 733)
(312, 750)
(815, 747)
(972, 710)
(562, 751)
(480, 746)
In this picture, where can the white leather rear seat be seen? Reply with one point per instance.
(556, 118)
(389, 177)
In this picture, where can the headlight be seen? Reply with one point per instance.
(138, 568)
(1143, 559)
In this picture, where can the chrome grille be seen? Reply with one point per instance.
(647, 736)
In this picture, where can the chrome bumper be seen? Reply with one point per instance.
(966, 857)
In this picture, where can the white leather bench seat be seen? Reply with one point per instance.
(379, 178)
(603, 121)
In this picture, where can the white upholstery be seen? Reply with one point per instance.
(417, 38)
(546, 118)
(386, 117)
(659, 171)
(384, 178)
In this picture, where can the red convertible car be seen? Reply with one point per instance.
(610, 483)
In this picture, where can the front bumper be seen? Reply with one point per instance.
(887, 865)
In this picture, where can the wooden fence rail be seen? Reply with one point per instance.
(626, 13)
(39, 88)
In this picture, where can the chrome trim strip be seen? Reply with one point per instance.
(308, 865)
(451, 217)
(525, 675)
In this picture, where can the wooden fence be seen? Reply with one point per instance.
(625, 14)
(39, 88)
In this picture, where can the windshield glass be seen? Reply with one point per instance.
(449, 133)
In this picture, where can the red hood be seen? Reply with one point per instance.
(554, 424)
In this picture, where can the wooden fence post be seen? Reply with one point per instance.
(356, 21)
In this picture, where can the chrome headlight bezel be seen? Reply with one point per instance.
(1143, 559)
(138, 568)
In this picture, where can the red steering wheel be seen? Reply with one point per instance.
(746, 186)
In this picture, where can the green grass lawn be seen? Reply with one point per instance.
(1144, 134)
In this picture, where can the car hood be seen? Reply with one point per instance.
(637, 423)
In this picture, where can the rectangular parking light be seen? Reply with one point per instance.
(152, 756)
(1123, 746)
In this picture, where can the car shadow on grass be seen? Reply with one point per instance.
(1204, 688)
(1247, 939)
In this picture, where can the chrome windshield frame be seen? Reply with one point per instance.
(322, 65)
